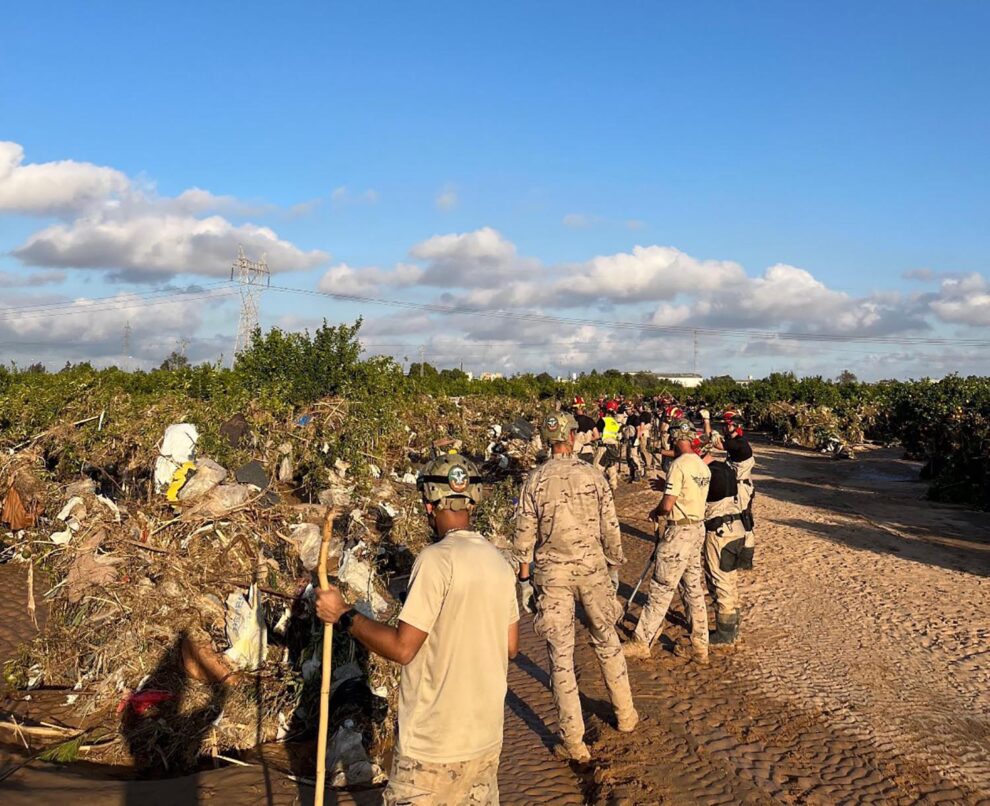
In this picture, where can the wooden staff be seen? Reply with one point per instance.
(321, 747)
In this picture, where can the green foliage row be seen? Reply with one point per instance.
(945, 423)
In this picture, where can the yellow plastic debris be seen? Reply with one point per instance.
(179, 479)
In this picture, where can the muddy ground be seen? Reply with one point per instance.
(862, 676)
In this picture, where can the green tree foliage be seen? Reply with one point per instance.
(300, 367)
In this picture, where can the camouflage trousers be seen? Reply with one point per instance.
(611, 472)
(678, 566)
(721, 553)
(458, 783)
(554, 622)
(645, 454)
(634, 459)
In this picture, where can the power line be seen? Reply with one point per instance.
(122, 304)
(134, 295)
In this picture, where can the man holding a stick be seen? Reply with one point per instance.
(456, 633)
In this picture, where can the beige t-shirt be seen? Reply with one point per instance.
(688, 479)
(452, 695)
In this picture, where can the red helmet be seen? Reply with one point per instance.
(612, 405)
(675, 412)
(578, 400)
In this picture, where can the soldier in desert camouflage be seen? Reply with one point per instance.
(567, 527)
(678, 563)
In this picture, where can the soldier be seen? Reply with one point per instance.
(646, 439)
(741, 458)
(456, 632)
(678, 562)
(566, 521)
(725, 541)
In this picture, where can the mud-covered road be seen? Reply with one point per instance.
(863, 675)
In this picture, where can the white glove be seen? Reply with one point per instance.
(705, 414)
(527, 596)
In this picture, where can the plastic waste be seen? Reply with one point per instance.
(246, 630)
(208, 475)
(178, 447)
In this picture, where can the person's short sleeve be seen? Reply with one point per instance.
(428, 586)
(675, 480)
(513, 604)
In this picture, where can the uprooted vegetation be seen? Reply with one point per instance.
(175, 537)
(172, 619)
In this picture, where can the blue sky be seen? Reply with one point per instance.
(844, 140)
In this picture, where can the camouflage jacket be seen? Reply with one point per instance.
(566, 522)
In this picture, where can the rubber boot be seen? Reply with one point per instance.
(728, 630)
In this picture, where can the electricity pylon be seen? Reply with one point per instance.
(252, 275)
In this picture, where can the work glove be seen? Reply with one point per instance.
(527, 596)
(705, 414)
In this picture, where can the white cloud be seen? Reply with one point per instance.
(634, 224)
(482, 258)
(344, 279)
(54, 188)
(153, 246)
(647, 273)
(447, 198)
(964, 300)
(125, 228)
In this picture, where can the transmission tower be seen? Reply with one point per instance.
(252, 275)
(127, 344)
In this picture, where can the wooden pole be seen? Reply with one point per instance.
(321, 747)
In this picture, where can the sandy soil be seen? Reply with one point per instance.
(862, 677)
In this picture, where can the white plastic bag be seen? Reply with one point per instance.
(246, 630)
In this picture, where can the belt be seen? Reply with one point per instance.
(714, 524)
(683, 522)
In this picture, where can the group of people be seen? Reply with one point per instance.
(458, 627)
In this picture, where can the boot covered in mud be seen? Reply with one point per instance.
(696, 651)
(727, 630)
(627, 720)
(577, 751)
(636, 649)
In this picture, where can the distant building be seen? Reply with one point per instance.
(689, 380)
(744, 381)
(490, 376)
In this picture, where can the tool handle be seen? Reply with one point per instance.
(321, 746)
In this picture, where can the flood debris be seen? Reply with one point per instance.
(188, 617)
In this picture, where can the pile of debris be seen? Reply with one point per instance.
(815, 427)
(180, 602)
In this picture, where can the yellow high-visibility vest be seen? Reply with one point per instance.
(611, 434)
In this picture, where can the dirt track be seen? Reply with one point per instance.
(863, 676)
